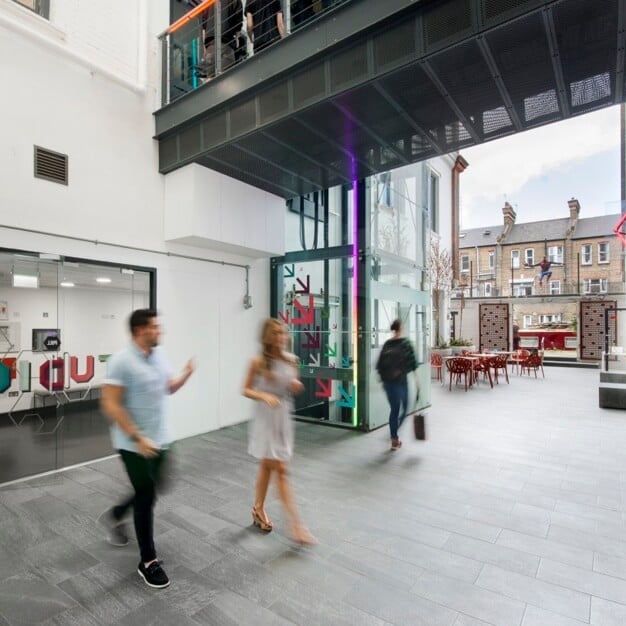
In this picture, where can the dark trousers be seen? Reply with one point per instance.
(398, 396)
(145, 476)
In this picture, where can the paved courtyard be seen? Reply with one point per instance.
(511, 513)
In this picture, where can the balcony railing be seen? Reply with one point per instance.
(566, 289)
(212, 38)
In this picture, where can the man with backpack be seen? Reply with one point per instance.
(396, 360)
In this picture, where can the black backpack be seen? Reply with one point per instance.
(391, 364)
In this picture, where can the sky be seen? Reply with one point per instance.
(539, 170)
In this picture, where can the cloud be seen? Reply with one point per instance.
(499, 169)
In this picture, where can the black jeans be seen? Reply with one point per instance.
(145, 476)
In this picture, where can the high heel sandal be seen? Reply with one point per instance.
(303, 537)
(264, 524)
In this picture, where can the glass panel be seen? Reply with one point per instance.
(54, 341)
(315, 300)
(396, 227)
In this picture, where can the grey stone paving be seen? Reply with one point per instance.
(512, 513)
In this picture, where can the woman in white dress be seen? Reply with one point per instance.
(272, 380)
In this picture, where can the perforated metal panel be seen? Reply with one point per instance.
(592, 328)
(494, 326)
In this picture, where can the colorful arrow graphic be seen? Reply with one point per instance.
(284, 317)
(307, 314)
(348, 399)
(304, 287)
(290, 271)
(326, 388)
(331, 351)
(345, 361)
(314, 339)
(314, 359)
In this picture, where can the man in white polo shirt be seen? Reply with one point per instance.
(133, 398)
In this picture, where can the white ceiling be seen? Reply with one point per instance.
(52, 272)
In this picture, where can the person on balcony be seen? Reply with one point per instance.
(231, 41)
(264, 21)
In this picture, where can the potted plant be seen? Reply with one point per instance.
(443, 348)
(462, 345)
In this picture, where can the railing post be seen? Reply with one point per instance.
(287, 15)
(165, 70)
(218, 37)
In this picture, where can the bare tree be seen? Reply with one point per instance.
(440, 269)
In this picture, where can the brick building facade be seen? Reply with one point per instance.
(502, 261)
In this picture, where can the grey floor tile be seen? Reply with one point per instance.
(466, 620)
(495, 554)
(48, 602)
(609, 565)
(230, 609)
(306, 607)
(76, 616)
(251, 580)
(586, 581)
(431, 559)
(157, 612)
(593, 542)
(58, 559)
(375, 566)
(548, 548)
(399, 607)
(551, 597)
(606, 613)
(470, 600)
(535, 616)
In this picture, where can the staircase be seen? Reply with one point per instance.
(563, 361)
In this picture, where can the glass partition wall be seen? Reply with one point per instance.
(60, 318)
(356, 261)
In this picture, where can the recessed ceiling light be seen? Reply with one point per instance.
(103, 280)
(67, 283)
(25, 280)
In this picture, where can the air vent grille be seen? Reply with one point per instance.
(51, 165)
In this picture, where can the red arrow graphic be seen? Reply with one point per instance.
(305, 288)
(325, 386)
(314, 339)
(284, 317)
(307, 315)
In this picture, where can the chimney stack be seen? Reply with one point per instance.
(509, 220)
(574, 212)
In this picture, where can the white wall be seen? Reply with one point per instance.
(93, 109)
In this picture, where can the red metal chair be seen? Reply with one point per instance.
(483, 366)
(521, 354)
(459, 367)
(534, 362)
(436, 363)
(499, 364)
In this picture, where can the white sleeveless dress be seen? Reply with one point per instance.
(271, 432)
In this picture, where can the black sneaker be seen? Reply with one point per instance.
(116, 533)
(153, 575)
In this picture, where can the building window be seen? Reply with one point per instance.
(523, 287)
(586, 257)
(465, 264)
(603, 252)
(41, 7)
(527, 321)
(555, 287)
(555, 254)
(492, 259)
(515, 259)
(550, 319)
(488, 289)
(595, 285)
(433, 201)
(529, 256)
